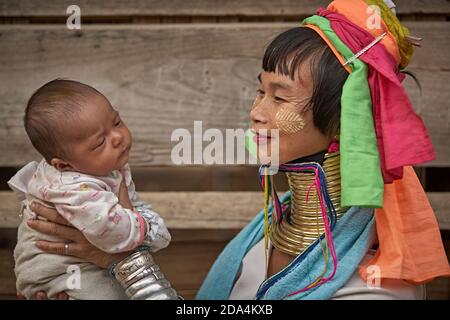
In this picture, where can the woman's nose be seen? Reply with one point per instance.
(258, 115)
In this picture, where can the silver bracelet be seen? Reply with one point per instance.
(142, 273)
(141, 278)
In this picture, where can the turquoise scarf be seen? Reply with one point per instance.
(353, 235)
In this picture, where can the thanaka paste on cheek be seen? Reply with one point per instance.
(289, 121)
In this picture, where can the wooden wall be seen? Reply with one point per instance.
(164, 64)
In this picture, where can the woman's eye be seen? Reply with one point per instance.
(278, 99)
(260, 92)
(118, 123)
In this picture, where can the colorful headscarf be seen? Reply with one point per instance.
(361, 179)
(381, 137)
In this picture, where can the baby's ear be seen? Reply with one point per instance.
(61, 165)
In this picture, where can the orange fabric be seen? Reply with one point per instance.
(356, 11)
(330, 45)
(410, 244)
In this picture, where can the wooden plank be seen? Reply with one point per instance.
(8, 236)
(440, 201)
(7, 277)
(180, 210)
(208, 210)
(438, 289)
(433, 105)
(179, 73)
(219, 210)
(186, 178)
(166, 77)
(48, 8)
(187, 264)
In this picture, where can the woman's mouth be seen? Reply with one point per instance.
(260, 138)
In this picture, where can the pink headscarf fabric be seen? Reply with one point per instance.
(401, 134)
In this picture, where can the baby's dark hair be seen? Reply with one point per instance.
(289, 50)
(49, 109)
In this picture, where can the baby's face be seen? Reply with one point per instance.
(99, 140)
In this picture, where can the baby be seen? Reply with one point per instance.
(85, 176)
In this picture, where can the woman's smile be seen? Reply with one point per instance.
(259, 138)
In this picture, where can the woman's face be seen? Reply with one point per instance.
(282, 103)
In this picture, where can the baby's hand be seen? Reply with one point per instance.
(124, 199)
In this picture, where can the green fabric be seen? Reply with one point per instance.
(361, 178)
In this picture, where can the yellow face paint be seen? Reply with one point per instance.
(288, 121)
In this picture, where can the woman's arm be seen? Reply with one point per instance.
(148, 284)
(42, 295)
(78, 246)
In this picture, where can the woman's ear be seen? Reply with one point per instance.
(61, 165)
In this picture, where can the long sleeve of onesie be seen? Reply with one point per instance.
(157, 236)
(97, 213)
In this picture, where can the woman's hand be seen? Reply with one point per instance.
(78, 245)
(42, 295)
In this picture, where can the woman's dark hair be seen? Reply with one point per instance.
(289, 50)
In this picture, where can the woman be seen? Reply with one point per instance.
(356, 217)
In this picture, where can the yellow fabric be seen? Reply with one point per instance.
(398, 30)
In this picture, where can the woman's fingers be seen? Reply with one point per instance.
(54, 229)
(48, 213)
(79, 247)
(62, 296)
(85, 251)
(51, 247)
(41, 295)
(58, 248)
(20, 296)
